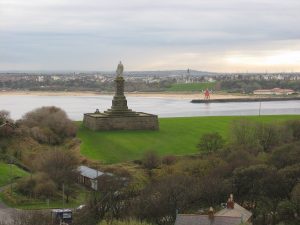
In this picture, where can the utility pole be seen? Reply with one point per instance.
(11, 176)
(259, 108)
(63, 196)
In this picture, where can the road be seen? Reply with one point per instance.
(6, 213)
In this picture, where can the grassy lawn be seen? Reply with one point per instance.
(178, 136)
(17, 200)
(6, 172)
(192, 86)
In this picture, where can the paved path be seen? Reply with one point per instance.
(6, 213)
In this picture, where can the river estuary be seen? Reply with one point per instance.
(75, 106)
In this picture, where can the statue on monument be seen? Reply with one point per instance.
(119, 116)
(120, 69)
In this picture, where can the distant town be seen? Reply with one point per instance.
(146, 81)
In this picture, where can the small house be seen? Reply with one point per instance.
(233, 214)
(88, 177)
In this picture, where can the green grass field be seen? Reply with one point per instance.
(178, 136)
(192, 86)
(6, 172)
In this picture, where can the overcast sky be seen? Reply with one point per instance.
(210, 35)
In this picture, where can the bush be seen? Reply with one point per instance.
(169, 160)
(45, 188)
(4, 116)
(59, 165)
(294, 125)
(151, 160)
(49, 125)
(211, 142)
(285, 210)
(38, 185)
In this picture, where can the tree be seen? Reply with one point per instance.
(213, 190)
(151, 160)
(5, 131)
(4, 116)
(160, 200)
(211, 142)
(285, 211)
(286, 155)
(110, 201)
(248, 181)
(61, 167)
(244, 136)
(49, 125)
(295, 197)
(268, 135)
(294, 125)
(37, 185)
(291, 175)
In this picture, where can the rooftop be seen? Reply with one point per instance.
(194, 219)
(89, 172)
(237, 211)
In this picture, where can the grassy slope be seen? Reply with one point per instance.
(192, 86)
(5, 173)
(177, 136)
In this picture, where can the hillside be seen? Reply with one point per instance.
(176, 136)
(10, 172)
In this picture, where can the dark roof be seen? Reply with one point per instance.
(194, 219)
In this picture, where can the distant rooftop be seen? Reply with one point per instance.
(237, 211)
(194, 219)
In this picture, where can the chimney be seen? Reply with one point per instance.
(230, 202)
(211, 213)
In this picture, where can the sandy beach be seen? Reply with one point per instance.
(131, 94)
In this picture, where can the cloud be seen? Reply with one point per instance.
(86, 34)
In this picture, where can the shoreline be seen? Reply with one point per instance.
(181, 95)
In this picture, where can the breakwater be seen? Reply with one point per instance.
(245, 100)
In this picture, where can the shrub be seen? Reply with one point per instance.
(294, 125)
(169, 160)
(151, 160)
(49, 125)
(211, 142)
(38, 185)
(45, 188)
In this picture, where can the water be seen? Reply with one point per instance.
(75, 106)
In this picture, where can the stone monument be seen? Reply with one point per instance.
(119, 116)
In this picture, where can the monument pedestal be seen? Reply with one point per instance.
(103, 121)
(119, 117)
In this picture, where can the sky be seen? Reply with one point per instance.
(206, 35)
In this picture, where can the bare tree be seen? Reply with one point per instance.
(49, 125)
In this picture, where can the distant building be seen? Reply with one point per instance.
(6, 128)
(88, 177)
(233, 214)
(274, 91)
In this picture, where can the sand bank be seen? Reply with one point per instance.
(131, 94)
